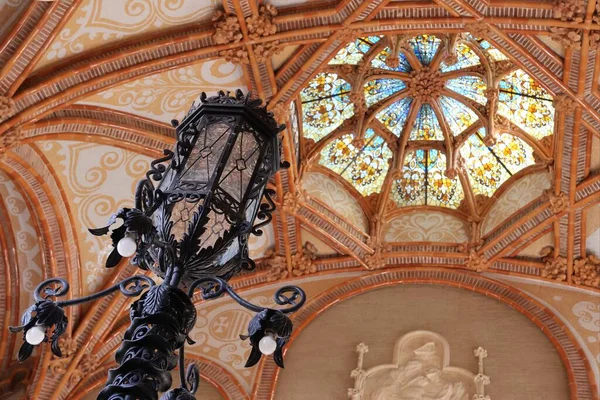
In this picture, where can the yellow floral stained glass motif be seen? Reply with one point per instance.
(458, 116)
(496, 54)
(514, 152)
(394, 117)
(466, 58)
(472, 87)
(427, 126)
(526, 104)
(380, 61)
(365, 168)
(484, 169)
(325, 105)
(353, 52)
(379, 89)
(423, 181)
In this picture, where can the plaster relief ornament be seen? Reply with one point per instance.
(276, 266)
(302, 262)
(586, 271)
(420, 370)
(476, 262)
(555, 267)
(558, 202)
(565, 103)
(568, 11)
(7, 107)
(227, 28)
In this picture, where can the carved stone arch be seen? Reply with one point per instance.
(580, 375)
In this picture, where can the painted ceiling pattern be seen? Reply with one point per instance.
(452, 135)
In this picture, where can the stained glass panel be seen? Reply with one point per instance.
(425, 47)
(441, 190)
(458, 116)
(379, 61)
(354, 51)
(409, 189)
(379, 89)
(496, 54)
(325, 105)
(426, 126)
(472, 87)
(466, 58)
(514, 152)
(364, 168)
(394, 117)
(526, 104)
(485, 173)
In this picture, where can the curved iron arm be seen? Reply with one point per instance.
(215, 287)
(123, 286)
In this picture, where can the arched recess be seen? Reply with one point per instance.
(215, 375)
(578, 370)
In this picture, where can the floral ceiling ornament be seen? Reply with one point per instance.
(477, 262)
(568, 11)
(11, 138)
(425, 85)
(262, 25)
(346, 34)
(479, 29)
(291, 201)
(236, 56)
(58, 365)
(280, 111)
(558, 202)
(227, 28)
(7, 107)
(276, 266)
(564, 103)
(264, 51)
(586, 271)
(302, 261)
(555, 267)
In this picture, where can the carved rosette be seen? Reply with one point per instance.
(302, 262)
(7, 107)
(565, 103)
(558, 202)
(227, 28)
(276, 265)
(476, 262)
(425, 85)
(586, 271)
(555, 267)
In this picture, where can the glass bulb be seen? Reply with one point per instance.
(126, 247)
(267, 345)
(35, 335)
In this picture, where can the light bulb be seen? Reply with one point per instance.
(35, 335)
(126, 247)
(267, 345)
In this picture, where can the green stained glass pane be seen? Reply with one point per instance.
(441, 190)
(514, 152)
(409, 188)
(426, 126)
(325, 105)
(364, 168)
(353, 52)
(485, 173)
(466, 58)
(380, 61)
(425, 47)
(526, 104)
(458, 116)
(394, 117)
(379, 89)
(472, 87)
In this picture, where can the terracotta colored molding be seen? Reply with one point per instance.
(580, 375)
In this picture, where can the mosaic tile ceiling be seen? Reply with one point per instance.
(420, 108)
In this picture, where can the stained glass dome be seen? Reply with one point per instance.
(428, 119)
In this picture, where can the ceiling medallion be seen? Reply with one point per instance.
(193, 215)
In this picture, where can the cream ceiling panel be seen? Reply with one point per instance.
(426, 226)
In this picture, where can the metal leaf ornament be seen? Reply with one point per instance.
(47, 313)
(134, 222)
(192, 378)
(266, 322)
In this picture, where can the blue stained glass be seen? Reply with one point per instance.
(458, 116)
(394, 117)
(379, 89)
(472, 87)
(380, 61)
(466, 58)
(353, 52)
(425, 47)
(426, 126)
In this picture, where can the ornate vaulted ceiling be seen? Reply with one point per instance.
(452, 142)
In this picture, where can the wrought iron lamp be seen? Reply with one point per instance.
(192, 218)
